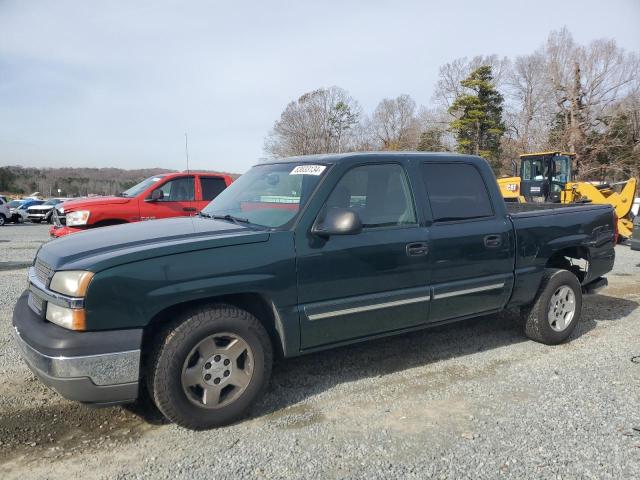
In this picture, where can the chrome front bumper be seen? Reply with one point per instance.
(103, 369)
(106, 378)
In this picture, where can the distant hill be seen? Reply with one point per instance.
(73, 181)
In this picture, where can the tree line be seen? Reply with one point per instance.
(584, 99)
(73, 182)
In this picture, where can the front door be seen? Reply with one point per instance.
(354, 286)
(176, 200)
(471, 250)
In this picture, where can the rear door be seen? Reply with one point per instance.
(177, 200)
(210, 188)
(471, 248)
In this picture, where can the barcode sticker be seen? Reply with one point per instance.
(308, 170)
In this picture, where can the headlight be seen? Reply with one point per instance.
(79, 217)
(73, 282)
(71, 318)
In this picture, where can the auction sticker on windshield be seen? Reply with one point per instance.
(308, 170)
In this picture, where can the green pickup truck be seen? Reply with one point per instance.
(299, 255)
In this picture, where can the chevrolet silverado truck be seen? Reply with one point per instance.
(161, 196)
(299, 255)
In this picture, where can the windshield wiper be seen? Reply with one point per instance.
(233, 219)
(230, 218)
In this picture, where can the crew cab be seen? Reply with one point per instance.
(299, 255)
(161, 196)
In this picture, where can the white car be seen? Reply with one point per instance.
(43, 212)
(4, 211)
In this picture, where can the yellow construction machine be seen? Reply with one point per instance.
(548, 177)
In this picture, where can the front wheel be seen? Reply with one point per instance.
(208, 369)
(556, 310)
(3, 219)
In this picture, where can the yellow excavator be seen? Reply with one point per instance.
(548, 177)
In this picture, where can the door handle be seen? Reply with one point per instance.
(417, 249)
(492, 241)
(189, 209)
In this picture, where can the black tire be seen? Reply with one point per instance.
(537, 319)
(3, 219)
(174, 346)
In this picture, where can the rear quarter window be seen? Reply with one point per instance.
(456, 191)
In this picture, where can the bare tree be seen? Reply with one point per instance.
(321, 121)
(586, 82)
(395, 124)
(529, 94)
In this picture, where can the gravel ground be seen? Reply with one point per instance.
(471, 400)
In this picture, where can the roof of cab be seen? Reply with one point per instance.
(355, 156)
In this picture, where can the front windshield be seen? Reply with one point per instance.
(14, 203)
(53, 201)
(268, 195)
(141, 187)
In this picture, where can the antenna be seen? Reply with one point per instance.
(186, 149)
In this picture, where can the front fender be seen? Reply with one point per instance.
(131, 295)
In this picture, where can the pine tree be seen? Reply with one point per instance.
(431, 141)
(478, 125)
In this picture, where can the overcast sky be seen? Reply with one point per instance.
(118, 83)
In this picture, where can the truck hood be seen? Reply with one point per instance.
(105, 247)
(87, 203)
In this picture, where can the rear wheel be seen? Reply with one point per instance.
(208, 369)
(556, 310)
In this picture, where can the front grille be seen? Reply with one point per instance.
(43, 271)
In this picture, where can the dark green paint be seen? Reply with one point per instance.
(144, 268)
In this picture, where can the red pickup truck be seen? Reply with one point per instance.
(160, 196)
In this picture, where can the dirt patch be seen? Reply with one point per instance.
(295, 417)
(62, 430)
(442, 377)
(14, 265)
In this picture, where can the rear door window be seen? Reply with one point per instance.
(456, 191)
(212, 187)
